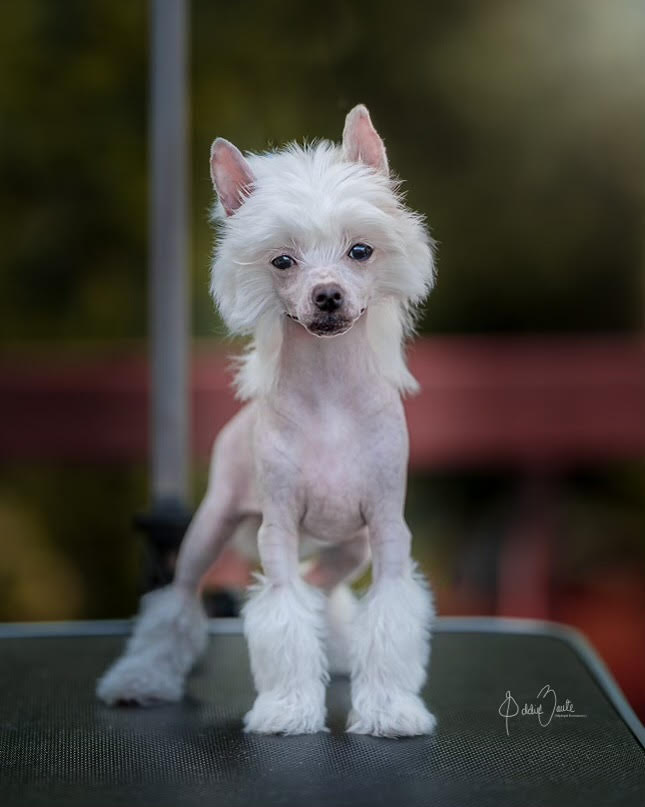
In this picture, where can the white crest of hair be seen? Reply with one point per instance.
(306, 194)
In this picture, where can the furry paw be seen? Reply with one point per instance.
(138, 680)
(170, 634)
(287, 713)
(403, 715)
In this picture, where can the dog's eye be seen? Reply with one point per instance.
(283, 262)
(360, 252)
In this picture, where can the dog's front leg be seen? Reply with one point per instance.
(284, 623)
(391, 640)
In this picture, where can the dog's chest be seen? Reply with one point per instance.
(329, 462)
(333, 478)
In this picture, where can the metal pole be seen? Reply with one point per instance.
(168, 328)
(169, 317)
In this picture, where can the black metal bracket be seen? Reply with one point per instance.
(164, 527)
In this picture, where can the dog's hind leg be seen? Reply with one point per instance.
(333, 570)
(171, 630)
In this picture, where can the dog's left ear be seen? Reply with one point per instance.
(361, 141)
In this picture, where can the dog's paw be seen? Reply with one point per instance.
(286, 713)
(403, 715)
(133, 680)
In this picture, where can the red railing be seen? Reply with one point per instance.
(484, 402)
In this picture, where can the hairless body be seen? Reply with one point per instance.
(321, 262)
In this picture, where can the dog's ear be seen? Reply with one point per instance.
(361, 141)
(231, 175)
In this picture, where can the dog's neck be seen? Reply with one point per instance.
(329, 370)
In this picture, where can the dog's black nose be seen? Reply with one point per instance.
(327, 297)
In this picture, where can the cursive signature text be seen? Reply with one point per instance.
(544, 708)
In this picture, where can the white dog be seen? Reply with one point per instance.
(320, 261)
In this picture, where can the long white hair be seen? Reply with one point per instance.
(306, 194)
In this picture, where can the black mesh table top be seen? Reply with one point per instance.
(59, 746)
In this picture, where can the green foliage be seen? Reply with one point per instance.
(67, 541)
(517, 126)
(72, 169)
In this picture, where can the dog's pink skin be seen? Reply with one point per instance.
(325, 455)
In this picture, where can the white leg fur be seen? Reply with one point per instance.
(390, 652)
(342, 607)
(169, 636)
(284, 625)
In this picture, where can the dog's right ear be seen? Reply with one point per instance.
(231, 175)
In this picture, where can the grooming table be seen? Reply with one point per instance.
(59, 746)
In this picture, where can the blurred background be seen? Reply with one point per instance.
(519, 128)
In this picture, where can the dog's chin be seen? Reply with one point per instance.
(329, 325)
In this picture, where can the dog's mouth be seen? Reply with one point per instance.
(329, 325)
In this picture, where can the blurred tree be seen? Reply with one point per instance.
(518, 126)
(72, 169)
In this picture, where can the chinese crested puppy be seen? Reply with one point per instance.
(321, 263)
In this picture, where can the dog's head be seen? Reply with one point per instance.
(317, 233)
